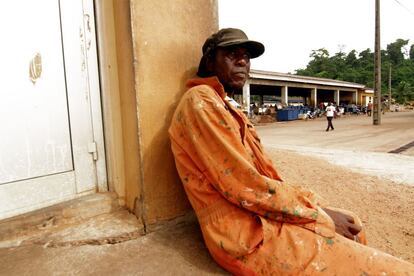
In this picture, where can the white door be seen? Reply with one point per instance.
(51, 144)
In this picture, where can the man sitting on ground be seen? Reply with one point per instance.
(252, 222)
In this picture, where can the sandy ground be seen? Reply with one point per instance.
(396, 167)
(385, 207)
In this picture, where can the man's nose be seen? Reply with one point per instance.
(242, 61)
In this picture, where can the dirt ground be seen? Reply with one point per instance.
(385, 207)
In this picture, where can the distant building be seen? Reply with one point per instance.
(294, 89)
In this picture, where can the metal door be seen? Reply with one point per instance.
(50, 117)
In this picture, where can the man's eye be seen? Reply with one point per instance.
(234, 55)
(231, 55)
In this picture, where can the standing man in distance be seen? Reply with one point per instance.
(369, 108)
(330, 113)
(252, 222)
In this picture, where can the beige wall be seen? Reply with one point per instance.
(364, 98)
(166, 38)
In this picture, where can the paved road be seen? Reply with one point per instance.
(355, 143)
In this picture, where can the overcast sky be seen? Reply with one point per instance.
(291, 29)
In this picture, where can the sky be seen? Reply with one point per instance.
(291, 29)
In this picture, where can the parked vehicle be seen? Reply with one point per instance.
(352, 109)
(310, 114)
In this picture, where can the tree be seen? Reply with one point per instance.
(404, 92)
(394, 51)
(351, 58)
(318, 64)
(359, 68)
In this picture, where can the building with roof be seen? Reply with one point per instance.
(290, 89)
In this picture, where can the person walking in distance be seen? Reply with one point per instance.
(330, 112)
(369, 108)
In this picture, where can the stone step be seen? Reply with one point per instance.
(41, 223)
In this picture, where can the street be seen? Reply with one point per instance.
(355, 143)
(352, 132)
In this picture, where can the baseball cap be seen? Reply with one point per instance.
(225, 38)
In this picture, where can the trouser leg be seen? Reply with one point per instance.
(329, 123)
(292, 250)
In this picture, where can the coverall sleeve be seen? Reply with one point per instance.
(213, 140)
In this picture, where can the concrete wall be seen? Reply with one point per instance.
(364, 98)
(167, 37)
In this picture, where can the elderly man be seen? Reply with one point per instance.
(252, 222)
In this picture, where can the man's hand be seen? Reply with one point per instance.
(344, 224)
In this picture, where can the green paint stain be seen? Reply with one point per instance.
(329, 241)
(228, 171)
(222, 122)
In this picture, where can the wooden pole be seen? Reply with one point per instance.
(389, 88)
(377, 86)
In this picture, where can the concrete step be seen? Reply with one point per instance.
(111, 244)
(34, 226)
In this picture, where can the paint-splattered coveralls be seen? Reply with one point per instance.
(252, 222)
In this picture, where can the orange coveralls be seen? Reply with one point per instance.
(252, 222)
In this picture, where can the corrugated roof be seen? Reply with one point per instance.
(267, 75)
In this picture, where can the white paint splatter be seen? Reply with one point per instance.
(247, 204)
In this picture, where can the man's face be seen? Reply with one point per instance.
(232, 66)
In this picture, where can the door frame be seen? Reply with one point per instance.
(111, 97)
(78, 20)
(90, 44)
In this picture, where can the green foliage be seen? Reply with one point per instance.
(359, 68)
(394, 51)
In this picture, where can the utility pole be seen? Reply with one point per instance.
(389, 88)
(377, 86)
